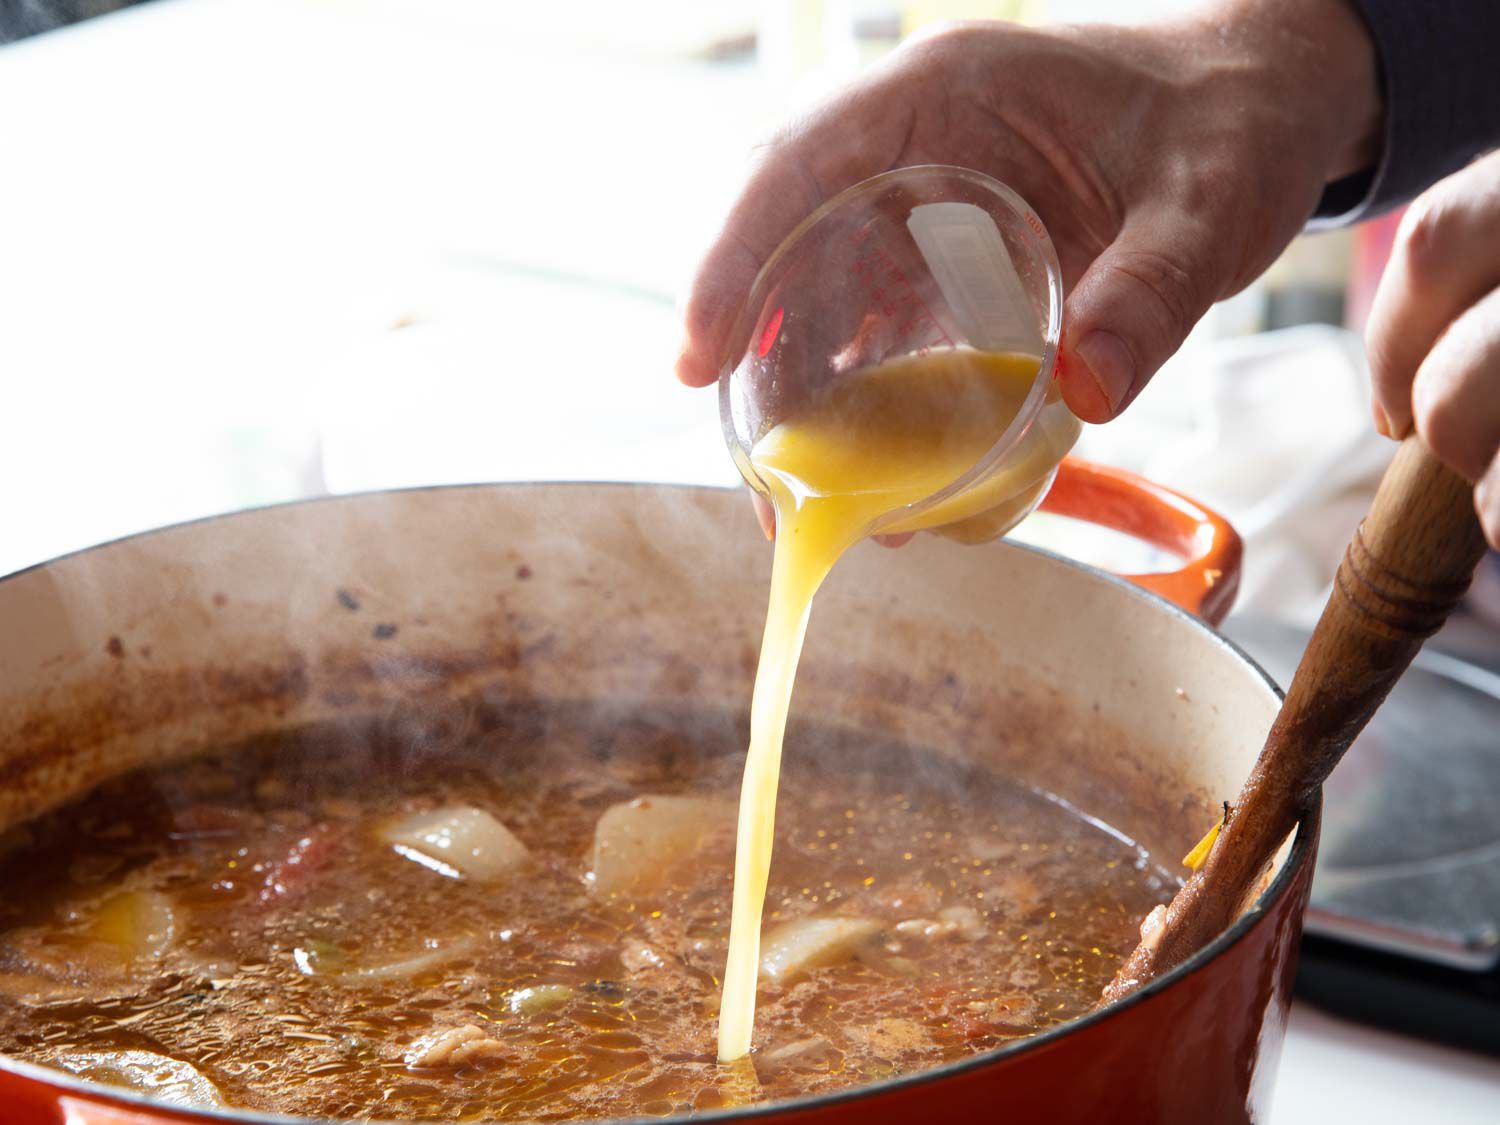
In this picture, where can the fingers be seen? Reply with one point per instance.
(1447, 257)
(765, 515)
(776, 198)
(1455, 397)
(1434, 331)
(1133, 308)
(1487, 502)
(848, 139)
(786, 186)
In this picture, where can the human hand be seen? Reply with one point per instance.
(1170, 163)
(1434, 331)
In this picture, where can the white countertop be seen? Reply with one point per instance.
(1334, 1071)
(214, 214)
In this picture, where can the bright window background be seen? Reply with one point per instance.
(259, 249)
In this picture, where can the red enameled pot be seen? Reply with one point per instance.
(1099, 689)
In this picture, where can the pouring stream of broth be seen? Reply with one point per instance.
(874, 443)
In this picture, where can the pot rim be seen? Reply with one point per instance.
(1300, 854)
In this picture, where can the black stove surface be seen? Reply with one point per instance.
(1403, 929)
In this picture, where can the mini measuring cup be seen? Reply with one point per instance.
(906, 263)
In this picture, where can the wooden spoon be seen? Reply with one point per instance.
(1405, 569)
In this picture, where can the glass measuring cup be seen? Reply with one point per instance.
(922, 260)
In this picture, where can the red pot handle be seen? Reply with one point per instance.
(1122, 501)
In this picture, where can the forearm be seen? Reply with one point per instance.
(1315, 58)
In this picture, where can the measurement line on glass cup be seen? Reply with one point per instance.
(877, 272)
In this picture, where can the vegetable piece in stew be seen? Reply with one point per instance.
(531, 924)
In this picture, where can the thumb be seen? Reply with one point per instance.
(1132, 310)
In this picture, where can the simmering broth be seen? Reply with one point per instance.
(524, 917)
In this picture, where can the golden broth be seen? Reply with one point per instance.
(875, 442)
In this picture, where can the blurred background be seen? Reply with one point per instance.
(258, 249)
(255, 250)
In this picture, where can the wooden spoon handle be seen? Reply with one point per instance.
(1406, 568)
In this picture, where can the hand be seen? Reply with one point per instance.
(1434, 331)
(1170, 163)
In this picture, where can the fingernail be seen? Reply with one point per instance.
(765, 516)
(1110, 363)
(1382, 423)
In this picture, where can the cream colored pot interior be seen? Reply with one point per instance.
(156, 646)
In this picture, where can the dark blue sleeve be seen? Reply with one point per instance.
(1440, 71)
(20, 18)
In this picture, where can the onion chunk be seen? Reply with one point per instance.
(166, 1079)
(318, 959)
(796, 947)
(538, 998)
(139, 924)
(459, 842)
(638, 843)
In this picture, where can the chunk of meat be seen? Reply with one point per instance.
(209, 821)
(459, 842)
(455, 1047)
(638, 957)
(962, 921)
(1017, 891)
(796, 947)
(953, 921)
(638, 843)
(909, 896)
(165, 1079)
(288, 877)
(893, 1037)
(989, 849)
(1018, 1013)
(1002, 1017)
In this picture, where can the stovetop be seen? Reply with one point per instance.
(1404, 923)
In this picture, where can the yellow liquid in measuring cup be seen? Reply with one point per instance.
(874, 443)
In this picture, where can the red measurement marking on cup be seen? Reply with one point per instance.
(891, 293)
(769, 333)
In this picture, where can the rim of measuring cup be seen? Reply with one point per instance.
(1030, 408)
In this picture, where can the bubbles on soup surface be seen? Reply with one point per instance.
(247, 925)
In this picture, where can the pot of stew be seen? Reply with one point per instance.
(419, 806)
